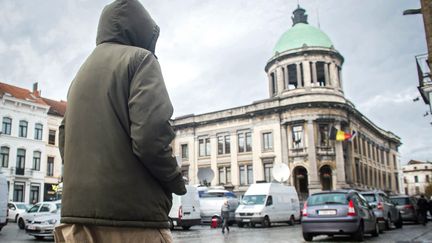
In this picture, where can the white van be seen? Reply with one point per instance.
(266, 203)
(185, 211)
(3, 201)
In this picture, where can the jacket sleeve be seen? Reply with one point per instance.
(62, 137)
(150, 111)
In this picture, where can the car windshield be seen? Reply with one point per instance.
(401, 200)
(369, 197)
(253, 200)
(22, 206)
(213, 194)
(327, 198)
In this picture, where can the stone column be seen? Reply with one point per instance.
(286, 78)
(213, 159)
(306, 74)
(234, 163)
(334, 75)
(327, 74)
(314, 184)
(284, 143)
(340, 165)
(279, 80)
(314, 74)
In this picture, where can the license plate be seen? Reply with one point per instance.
(327, 212)
(246, 220)
(175, 223)
(31, 227)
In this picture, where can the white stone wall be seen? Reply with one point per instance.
(53, 151)
(419, 170)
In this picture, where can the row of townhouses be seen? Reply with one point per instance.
(29, 155)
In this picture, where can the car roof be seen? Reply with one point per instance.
(334, 191)
(373, 192)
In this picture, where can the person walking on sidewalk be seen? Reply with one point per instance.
(119, 169)
(423, 206)
(225, 216)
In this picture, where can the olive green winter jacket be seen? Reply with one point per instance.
(115, 138)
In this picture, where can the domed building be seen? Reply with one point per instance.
(295, 126)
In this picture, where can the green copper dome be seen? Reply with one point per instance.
(302, 34)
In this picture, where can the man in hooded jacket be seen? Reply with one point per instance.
(119, 171)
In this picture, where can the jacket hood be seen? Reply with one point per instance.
(127, 22)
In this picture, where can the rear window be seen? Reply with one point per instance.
(401, 200)
(22, 206)
(327, 198)
(218, 194)
(369, 197)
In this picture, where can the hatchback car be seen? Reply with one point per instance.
(385, 210)
(43, 226)
(16, 208)
(42, 208)
(340, 212)
(407, 207)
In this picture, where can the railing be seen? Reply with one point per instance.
(21, 172)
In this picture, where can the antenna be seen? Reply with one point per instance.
(281, 172)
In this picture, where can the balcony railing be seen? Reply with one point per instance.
(21, 172)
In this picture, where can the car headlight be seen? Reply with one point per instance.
(51, 221)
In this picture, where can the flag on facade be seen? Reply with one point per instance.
(340, 135)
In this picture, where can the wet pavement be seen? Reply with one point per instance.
(277, 233)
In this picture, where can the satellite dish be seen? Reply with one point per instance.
(281, 172)
(205, 174)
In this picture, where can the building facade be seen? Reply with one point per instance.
(24, 151)
(306, 101)
(417, 175)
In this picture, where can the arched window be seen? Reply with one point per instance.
(7, 125)
(22, 131)
(4, 156)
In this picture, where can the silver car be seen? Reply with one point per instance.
(340, 212)
(43, 226)
(385, 210)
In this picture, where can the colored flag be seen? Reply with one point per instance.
(340, 135)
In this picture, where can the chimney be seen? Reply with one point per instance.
(36, 92)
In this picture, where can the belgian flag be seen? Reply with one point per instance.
(340, 135)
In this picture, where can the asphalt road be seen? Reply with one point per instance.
(277, 233)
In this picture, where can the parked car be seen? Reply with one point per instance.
(340, 212)
(407, 207)
(39, 209)
(3, 201)
(185, 211)
(264, 203)
(43, 226)
(211, 203)
(17, 208)
(385, 210)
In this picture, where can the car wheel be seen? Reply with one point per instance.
(375, 233)
(39, 237)
(266, 222)
(291, 221)
(307, 237)
(186, 227)
(240, 224)
(21, 223)
(359, 235)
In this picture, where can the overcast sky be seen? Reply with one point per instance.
(213, 53)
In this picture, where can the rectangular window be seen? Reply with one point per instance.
(246, 174)
(415, 179)
(50, 166)
(355, 144)
(185, 171)
(249, 174)
(357, 168)
(268, 172)
(18, 195)
(324, 135)
(394, 161)
(242, 175)
(204, 147)
(292, 76)
(38, 131)
(4, 156)
(244, 142)
(20, 163)
(184, 151)
(7, 125)
(320, 73)
(427, 178)
(34, 194)
(228, 175)
(51, 137)
(222, 178)
(224, 144)
(36, 160)
(22, 131)
(273, 83)
(297, 136)
(267, 141)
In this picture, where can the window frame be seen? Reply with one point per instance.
(23, 129)
(7, 125)
(4, 157)
(38, 135)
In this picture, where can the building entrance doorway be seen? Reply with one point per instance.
(301, 182)
(326, 178)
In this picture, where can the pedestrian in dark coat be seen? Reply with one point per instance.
(423, 206)
(225, 216)
(119, 169)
